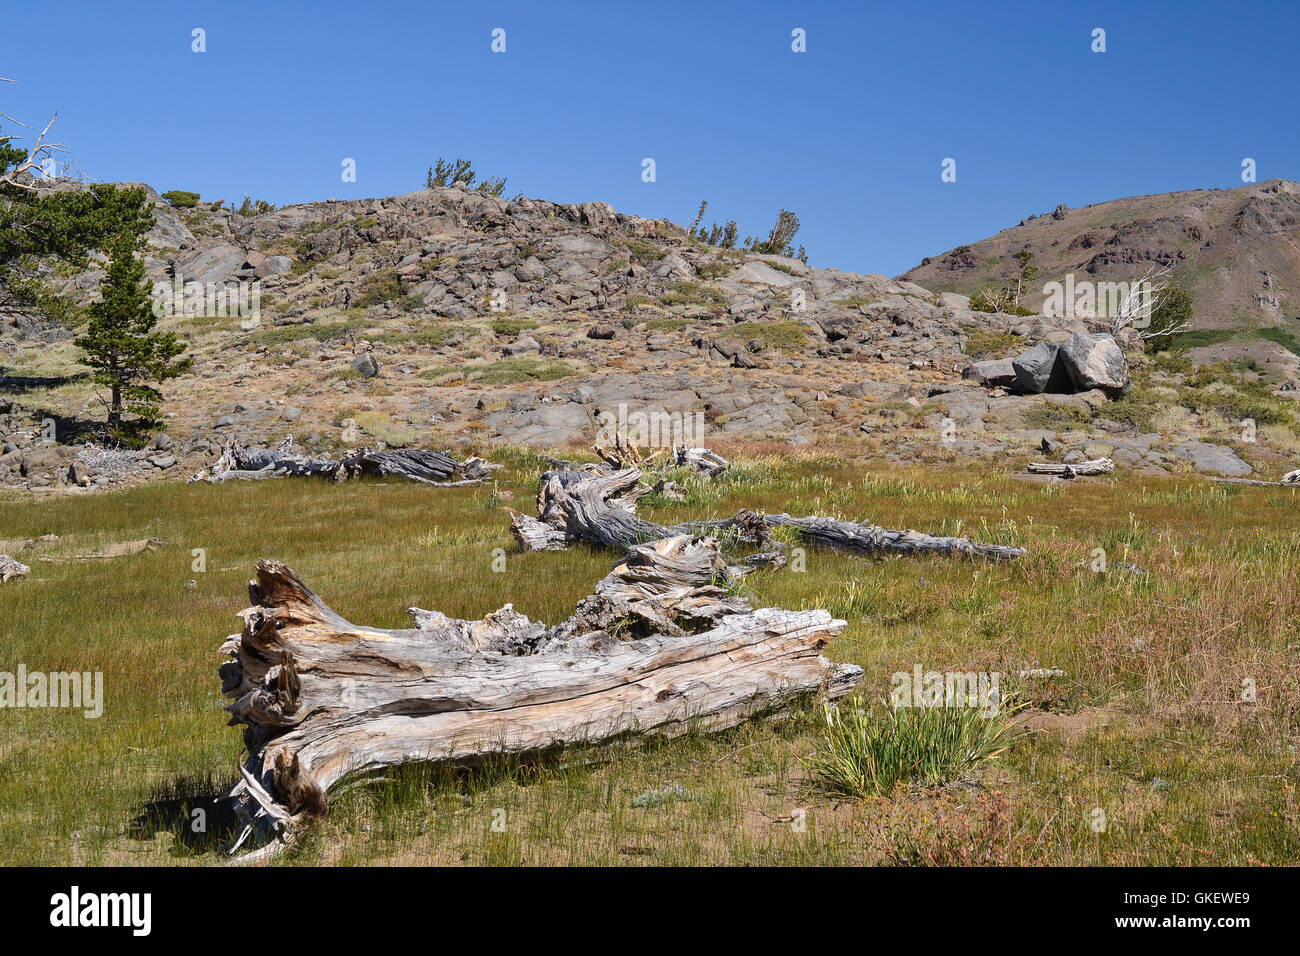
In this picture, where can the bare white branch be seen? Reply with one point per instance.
(1140, 303)
(39, 151)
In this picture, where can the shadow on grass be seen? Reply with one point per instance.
(194, 811)
(29, 383)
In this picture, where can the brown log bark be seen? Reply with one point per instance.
(658, 645)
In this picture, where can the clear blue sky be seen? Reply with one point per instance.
(850, 134)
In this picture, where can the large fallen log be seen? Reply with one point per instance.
(1097, 466)
(415, 464)
(601, 509)
(659, 646)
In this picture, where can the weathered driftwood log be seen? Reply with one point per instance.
(602, 509)
(1256, 482)
(658, 646)
(873, 539)
(10, 568)
(1291, 478)
(625, 454)
(709, 462)
(1097, 466)
(415, 464)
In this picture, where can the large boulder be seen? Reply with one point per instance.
(522, 346)
(1215, 459)
(216, 263)
(762, 274)
(1096, 361)
(1037, 370)
(366, 364)
(992, 373)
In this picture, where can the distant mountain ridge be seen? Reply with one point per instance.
(1237, 251)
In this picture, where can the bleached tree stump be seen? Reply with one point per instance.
(658, 646)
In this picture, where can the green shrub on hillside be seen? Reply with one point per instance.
(379, 287)
(692, 293)
(511, 327)
(181, 199)
(987, 344)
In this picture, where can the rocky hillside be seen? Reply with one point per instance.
(447, 318)
(1236, 250)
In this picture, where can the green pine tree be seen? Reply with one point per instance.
(122, 348)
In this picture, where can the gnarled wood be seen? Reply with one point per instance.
(601, 509)
(415, 464)
(658, 645)
(701, 459)
(10, 568)
(874, 540)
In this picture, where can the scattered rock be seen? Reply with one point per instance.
(1096, 361)
(366, 364)
(522, 346)
(991, 372)
(1215, 459)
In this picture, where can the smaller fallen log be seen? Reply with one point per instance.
(415, 464)
(535, 535)
(601, 509)
(11, 568)
(710, 463)
(1256, 482)
(874, 540)
(1080, 469)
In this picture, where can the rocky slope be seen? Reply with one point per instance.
(447, 318)
(1237, 251)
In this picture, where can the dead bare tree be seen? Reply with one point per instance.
(1140, 303)
(35, 156)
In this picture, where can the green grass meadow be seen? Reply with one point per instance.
(1148, 750)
